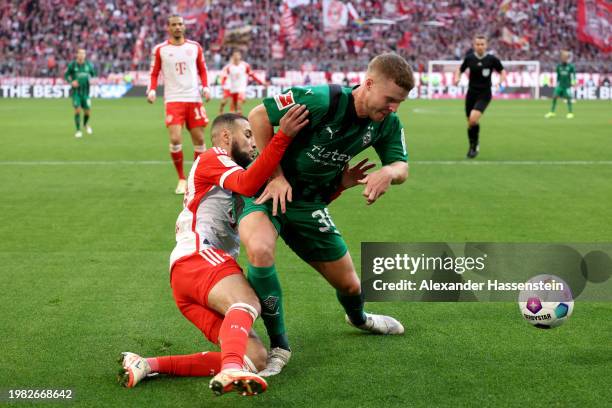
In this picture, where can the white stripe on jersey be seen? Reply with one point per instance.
(227, 173)
(207, 257)
(214, 255)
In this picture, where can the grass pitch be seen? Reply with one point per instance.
(88, 225)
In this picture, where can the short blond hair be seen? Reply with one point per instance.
(393, 67)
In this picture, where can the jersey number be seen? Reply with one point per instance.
(199, 114)
(181, 67)
(324, 218)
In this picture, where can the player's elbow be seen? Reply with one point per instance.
(401, 171)
(258, 113)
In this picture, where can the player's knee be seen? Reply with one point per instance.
(260, 252)
(472, 122)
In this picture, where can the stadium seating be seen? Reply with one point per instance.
(37, 38)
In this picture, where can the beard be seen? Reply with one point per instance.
(243, 159)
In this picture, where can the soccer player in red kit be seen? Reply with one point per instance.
(207, 283)
(235, 77)
(182, 63)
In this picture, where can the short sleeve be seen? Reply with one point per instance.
(464, 65)
(316, 100)
(391, 146)
(498, 65)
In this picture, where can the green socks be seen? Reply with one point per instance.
(77, 121)
(353, 306)
(554, 105)
(85, 119)
(267, 286)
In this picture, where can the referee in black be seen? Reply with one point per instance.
(481, 65)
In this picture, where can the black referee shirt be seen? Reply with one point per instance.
(480, 71)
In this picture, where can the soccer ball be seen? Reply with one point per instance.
(546, 309)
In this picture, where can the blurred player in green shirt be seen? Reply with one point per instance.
(343, 122)
(78, 74)
(566, 77)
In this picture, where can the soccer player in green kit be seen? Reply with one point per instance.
(78, 74)
(566, 77)
(343, 122)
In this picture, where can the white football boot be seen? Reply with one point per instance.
(277, 360)
(134, 369)
(78, 134)
(89, 130)
(181, 187)
(379, 324)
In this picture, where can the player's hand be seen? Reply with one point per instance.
(294, 120)
(352, 175)
(75, 84)
(205, 92)
(279, 190)
(151, 97)
(376, 184)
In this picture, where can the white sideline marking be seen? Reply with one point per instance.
(415, 162)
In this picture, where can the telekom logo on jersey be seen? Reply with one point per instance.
(180, 67)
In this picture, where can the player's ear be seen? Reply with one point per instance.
(226, 137)
(369, 83)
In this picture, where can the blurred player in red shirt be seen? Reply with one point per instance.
(234, 79)
(182, 62)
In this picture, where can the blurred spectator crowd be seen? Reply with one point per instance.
(39, 37)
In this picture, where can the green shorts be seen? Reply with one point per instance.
(562, 92)
(81, 101)
(306, 227)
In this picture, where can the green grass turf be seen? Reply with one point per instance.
(84, 254)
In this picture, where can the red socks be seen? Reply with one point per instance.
(233, 338)
(205, 364)
(198, 150)
(176, 151)
(234, 334)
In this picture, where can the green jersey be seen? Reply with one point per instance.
(566, 74)
(81, 73)
(314, 161)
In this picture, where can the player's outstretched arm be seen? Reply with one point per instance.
(378, 182)
(248, 182)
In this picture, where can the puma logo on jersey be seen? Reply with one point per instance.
(309, 91)
(331, 132)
